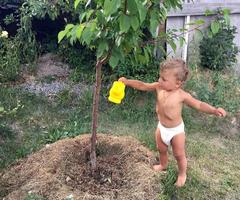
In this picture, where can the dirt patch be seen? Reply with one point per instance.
(51, 65)
(52, 77)
(62, 169)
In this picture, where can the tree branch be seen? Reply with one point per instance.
(158, 39)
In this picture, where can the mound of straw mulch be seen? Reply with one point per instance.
(62, 171)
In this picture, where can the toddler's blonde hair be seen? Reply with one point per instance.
(179, 64)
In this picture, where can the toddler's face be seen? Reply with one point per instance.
(168, 80)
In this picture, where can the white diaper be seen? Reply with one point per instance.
(168, 133)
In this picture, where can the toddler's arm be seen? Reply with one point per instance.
(139, 85)
(203, 107)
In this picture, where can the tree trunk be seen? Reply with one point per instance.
(95, 116)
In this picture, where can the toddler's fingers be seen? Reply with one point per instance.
(221, 113)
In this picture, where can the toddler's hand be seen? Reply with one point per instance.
(220, 112)
(123, 79)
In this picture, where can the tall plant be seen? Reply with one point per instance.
(217, 48)
(115, 28)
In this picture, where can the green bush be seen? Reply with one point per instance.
(148, 72)
(81, 60)
(9, 62)
(217, 50)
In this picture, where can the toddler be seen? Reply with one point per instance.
(170, 100)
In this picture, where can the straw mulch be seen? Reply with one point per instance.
(61, 171)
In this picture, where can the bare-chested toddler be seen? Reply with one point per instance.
(170, 100)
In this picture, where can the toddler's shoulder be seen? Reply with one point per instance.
(184, 94)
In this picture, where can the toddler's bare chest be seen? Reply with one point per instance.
(168, 101)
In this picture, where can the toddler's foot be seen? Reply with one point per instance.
(158, 168)
(181, 180)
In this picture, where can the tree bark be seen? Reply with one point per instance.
(97, 88)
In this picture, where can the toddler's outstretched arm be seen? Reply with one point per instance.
(139, 85)
(203, 107)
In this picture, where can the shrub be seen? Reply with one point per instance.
(148, 72)
(217, 50)
(9, 62)
(80, 59)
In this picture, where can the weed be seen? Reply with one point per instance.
(48, 79)
(65, 97)
(218, 89)
(32, 196)
(10, 61)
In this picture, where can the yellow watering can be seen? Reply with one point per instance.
(117, 92)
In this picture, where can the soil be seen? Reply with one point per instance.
(62, 170)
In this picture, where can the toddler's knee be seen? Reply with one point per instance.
(180, 157)
(162, 151)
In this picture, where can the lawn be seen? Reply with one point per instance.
(212, 144)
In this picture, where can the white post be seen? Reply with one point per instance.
(186, 35)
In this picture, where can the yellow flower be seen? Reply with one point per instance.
(4, 34)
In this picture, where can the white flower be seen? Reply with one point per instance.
(4, 34)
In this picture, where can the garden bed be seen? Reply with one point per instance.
(62, 170)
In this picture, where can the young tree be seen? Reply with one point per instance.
(115, 28)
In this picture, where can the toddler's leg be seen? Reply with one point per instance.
(178, 145)
(163, 154)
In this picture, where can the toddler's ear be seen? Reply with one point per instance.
(179, 84)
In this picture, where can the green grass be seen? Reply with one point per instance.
(213, 153)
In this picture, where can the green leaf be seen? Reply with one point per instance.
(134, 22)
(227, 19)
(100, 17)
(116, 5)
(146, 55)
(226, 13)
(107, 7)
(71, 41)
(118, 40)
(89, 13)
(87, 35)
(111, 6)
(79, 30)
(132, 7)
(209, 34)
(215, 26)
(153, 27)
(199, 22)
(93, 26)
(81, 16)
(209, 12)
(1, 109)
(141, 10)
(103, 45)
(173, 45)
(181, 41)
(154, 23)
(76, 2)
(124, 23)
(113, 61)
(199, 34)
(68, 27)
(61, 35)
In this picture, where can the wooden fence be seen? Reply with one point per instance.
(195, 9)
